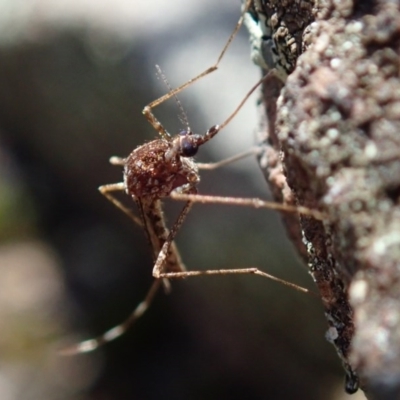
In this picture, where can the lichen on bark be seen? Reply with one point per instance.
(332, 142)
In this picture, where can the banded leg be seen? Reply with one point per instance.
(247, 202)
(89, 345)
(92, 344)
(214, 165)
(107, 190)
(158, 267)
(147, 110)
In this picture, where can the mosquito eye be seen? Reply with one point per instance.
(188, 148)
(185, 132)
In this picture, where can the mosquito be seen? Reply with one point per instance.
(165, 168)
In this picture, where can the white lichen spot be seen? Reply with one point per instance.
(357, 26)
(336, 116)
(284, 112)
(385, 205)
(322, 43)
(322, 171)
(382, 338)
(343, 92)
(356, 205)
(332, 133)
(370, 150)
(324, 142)
(330, 52)
(373, 69)
(381, 245)
(331, 334)
(335, 63)
(348, 45)
(330, 181)
(358, 291)
(303, 131)
(314, 126)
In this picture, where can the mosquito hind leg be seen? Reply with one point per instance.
(158, 267)
(160, 274)
(236, 271)
(92, 344)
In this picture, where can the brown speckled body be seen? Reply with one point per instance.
(151, 172)
(148, 172)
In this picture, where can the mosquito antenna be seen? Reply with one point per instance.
(182, 115)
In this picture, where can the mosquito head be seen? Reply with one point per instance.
(186, 143)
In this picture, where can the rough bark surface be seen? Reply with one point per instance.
(332, 143)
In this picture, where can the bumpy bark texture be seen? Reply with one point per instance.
(332, 143)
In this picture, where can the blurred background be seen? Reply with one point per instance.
(74, 78)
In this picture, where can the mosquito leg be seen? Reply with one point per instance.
(157, 233)
(114, 333)
(156, 124)
(147, 110)
(243, 201)
(209, 166)
(209, 70)
(107, 190)
(216, 128)
(158, 273)
(242, 271)
(163, 254)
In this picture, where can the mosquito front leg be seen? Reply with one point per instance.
(107, 190)
(155, 123)
(200, 140)
(214, 129)
(147, 110)
(209, 166)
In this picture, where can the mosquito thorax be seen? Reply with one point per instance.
(155, 169)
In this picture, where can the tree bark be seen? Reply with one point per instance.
(330, 136)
